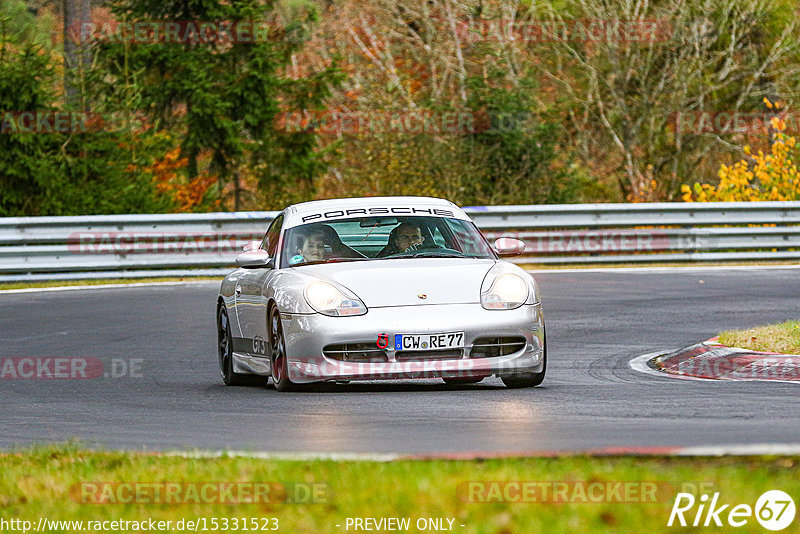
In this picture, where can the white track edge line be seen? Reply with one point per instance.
(756, 449)
(291, 456)
(656, 269)
(105, 286)
(639, 363)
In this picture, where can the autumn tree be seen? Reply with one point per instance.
(422, 56)
(623, 90)
(221, 97)
(58, 172)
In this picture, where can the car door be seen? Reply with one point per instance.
(251, 296)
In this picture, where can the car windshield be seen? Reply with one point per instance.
(383, 238)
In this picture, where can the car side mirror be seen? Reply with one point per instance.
(255, 259)
(507, 246)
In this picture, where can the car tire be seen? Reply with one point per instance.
(528, 380)
(225, 351)
(279, 362)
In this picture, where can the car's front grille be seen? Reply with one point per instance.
(489, 347)
(421, 355)
(355, 352)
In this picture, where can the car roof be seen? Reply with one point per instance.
(348, 208)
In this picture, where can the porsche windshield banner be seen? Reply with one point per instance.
(364, 212)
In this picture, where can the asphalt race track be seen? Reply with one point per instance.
(596, 323)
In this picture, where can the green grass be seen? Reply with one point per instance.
(46, 482)
(783, 338)
(71, 283)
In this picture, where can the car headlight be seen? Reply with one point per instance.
(328, 299)
(505, 292)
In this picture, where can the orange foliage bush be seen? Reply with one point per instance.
(187, 195)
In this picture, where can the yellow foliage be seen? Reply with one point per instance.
(772, 176)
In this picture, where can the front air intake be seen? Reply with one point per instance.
(490, 347)
(427, 355)
(355, 352)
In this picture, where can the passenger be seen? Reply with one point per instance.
(311, 245)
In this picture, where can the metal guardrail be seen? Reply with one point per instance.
(135, 246)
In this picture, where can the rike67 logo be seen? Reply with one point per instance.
(774, 510)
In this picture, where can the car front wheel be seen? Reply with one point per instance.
(528, 380)
(280, 364)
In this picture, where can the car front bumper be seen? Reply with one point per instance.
(307, 335)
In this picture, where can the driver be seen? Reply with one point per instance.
(408, 237)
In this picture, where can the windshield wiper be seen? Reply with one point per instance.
(429, 254)
(329, 260)
(438, 254)
(336, 260)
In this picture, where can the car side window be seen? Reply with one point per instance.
(270, 243)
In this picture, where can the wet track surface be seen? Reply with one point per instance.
(596, 322)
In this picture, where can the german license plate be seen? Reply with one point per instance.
(448, 340)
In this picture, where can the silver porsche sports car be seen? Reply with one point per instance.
(379, 288)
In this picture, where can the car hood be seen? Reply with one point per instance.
(409, 282)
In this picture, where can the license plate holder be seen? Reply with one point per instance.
(438, 341)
